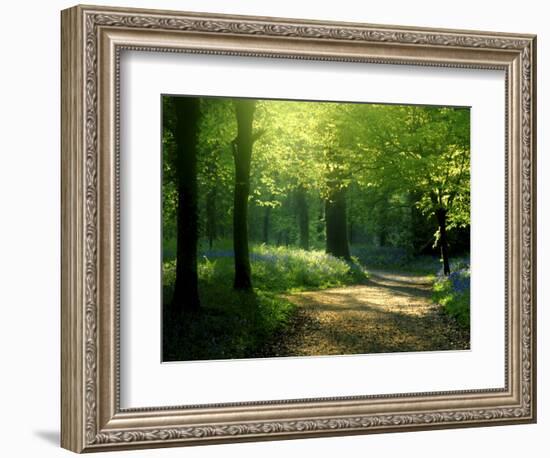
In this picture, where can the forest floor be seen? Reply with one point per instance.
(391, 312)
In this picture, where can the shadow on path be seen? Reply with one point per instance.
(392, 312)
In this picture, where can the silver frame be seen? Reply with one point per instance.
(92, 39)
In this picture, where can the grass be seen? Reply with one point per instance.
(230, 325)
(234, 324)
(453, 292)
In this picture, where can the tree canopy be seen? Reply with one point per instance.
(323, 174)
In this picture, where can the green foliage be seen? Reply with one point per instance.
(230, 324)
(398, 165)
(276, 269)
(292, 269)
(453, 293)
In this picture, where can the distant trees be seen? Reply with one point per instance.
(420, 158)
(302, 215)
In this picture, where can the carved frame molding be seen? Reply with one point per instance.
(92, 39)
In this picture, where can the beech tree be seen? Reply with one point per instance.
(422, 153)
(242, 151)
(185, 131)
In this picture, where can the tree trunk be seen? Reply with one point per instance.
(441, 215)
(321, 221)
(303, 217)
(349, 219)
(242, 154)
(265, 228)
(335, 216)
(383, 228)
(382, 237)
(186, 291)
(211, 215)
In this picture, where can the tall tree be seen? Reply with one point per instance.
(242, 151)
(211, 215)
(336, 218)
(265, 222)
(186, 291)
(423, 152)
(445, 136)
(302, 213)
(210, 171)
(320, 225)
(441, 215)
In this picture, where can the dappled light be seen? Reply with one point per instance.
(392, 312)
(307, 228)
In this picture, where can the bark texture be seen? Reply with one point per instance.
(186, 291)
(242, 154)
(336, 224)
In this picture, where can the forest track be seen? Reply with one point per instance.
(392, 312)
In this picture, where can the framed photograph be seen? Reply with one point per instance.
(278, 228)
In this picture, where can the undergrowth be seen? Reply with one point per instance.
(453, 292)
(236, 324)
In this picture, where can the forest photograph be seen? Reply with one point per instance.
(313, 228)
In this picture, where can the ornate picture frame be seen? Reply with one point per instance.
(92, 41)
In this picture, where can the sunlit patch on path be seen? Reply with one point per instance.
(392, 312)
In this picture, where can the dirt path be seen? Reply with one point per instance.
(391, 312)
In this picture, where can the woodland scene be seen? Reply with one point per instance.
(309, 228)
